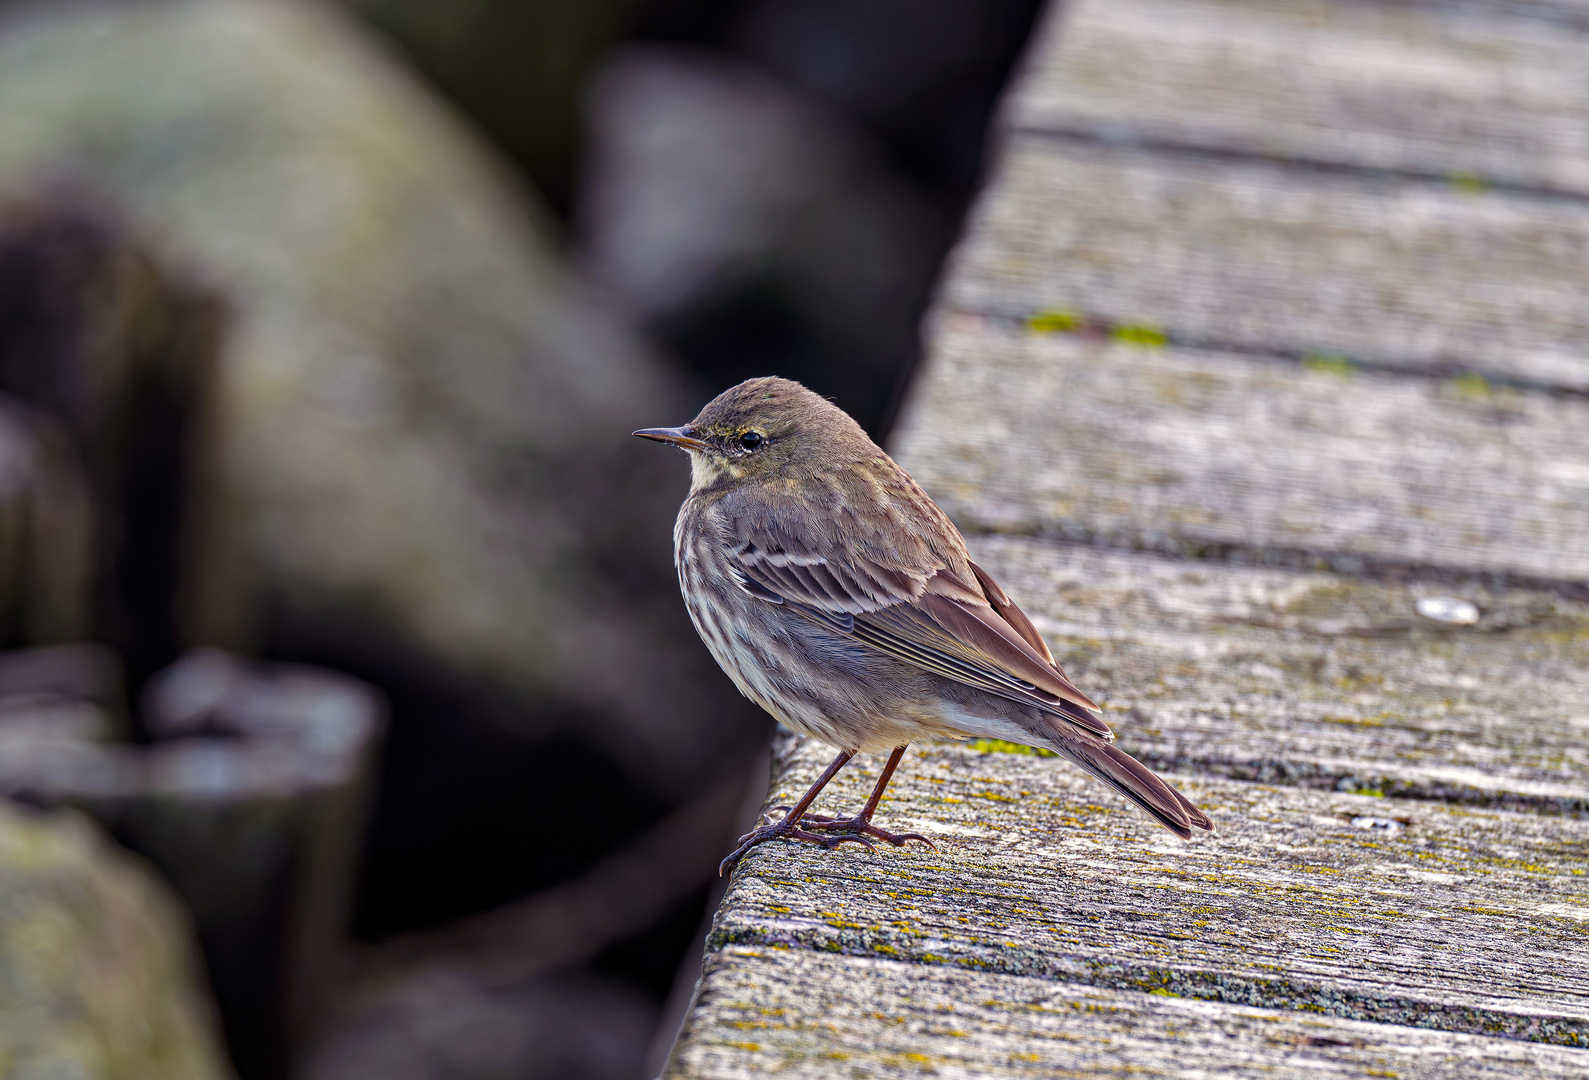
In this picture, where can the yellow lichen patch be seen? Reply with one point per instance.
(1053, 321)
(1356, 721)
(1329, 364)
(1000, 746)
(1143, 334)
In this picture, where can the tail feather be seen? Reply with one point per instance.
(1136, 782)
(1196, 816)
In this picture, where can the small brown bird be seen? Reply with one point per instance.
(839, 598)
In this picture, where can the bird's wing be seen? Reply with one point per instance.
(899, 596)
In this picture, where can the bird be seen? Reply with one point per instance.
(841, 599)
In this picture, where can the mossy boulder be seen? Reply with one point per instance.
(421, 426)
(97, 969)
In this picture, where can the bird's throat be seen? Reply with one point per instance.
(708, 471)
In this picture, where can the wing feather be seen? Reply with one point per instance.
(1012, 614)
(938, 611)
(914, 594)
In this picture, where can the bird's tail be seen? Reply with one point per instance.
(1136, 782)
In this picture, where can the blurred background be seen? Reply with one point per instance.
(350, 722)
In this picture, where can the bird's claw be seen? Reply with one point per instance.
(825, 832)
(785, 829)
(857, 826)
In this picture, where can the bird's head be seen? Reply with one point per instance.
(763, 429)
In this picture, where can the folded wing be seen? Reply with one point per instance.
(934, 609)
(908, 597)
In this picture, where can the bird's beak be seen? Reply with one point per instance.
(678, 436)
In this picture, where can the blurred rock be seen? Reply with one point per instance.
(515, 68)
(424, 433)
(708, 185)
(97, 978)
(454, 1026)
(251, 801)
(913, 83)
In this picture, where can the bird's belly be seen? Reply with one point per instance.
(813, 680)
(768, 669)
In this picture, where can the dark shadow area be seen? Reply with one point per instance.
(473, 813)
(921, 77)
(904, 91)
(385, 434)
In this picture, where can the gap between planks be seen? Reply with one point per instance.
(1440, 917)
(1467, 95)
(1019, 432)
(798, 1013)
(1410, 274)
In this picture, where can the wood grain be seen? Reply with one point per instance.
(797, 1013)
(1469, 93)
(1179, 448)
(1318, 679)
(1268, 326)
(1253, 255)
(1347, 905)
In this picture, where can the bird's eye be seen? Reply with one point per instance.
(750, 440)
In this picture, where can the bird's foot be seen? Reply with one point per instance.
(857, 826)
(786, 829)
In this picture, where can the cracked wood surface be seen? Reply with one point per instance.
(1472, 93)
(1186, 447)
(798, 1013)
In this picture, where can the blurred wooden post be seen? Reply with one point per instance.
(245, 785)
(251, 800)
(1259, 379)
(46, 549)
(116, 358)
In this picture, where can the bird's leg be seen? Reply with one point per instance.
(861, 824)
(788, 828)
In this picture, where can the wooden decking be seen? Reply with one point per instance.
(1261, 380)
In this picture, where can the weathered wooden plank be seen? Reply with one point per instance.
(1074, 435)
(1346, 905)
(1253, 255)
(1319, 679)
(1455, 91)
(1313, 416)
(798, 1013)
